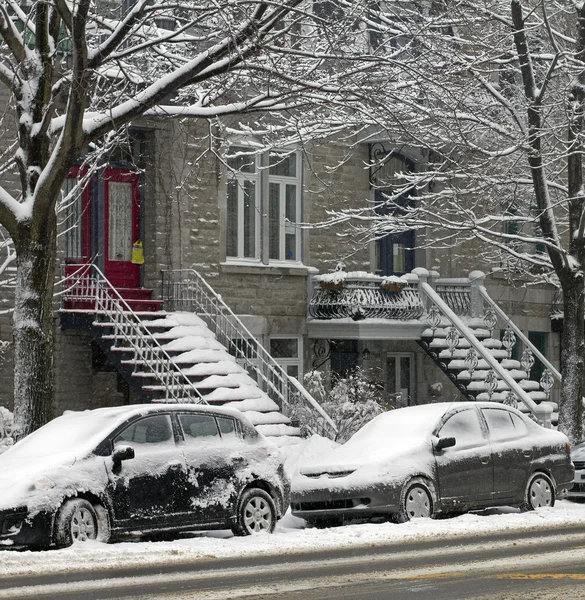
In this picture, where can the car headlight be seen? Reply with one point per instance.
(43, 484)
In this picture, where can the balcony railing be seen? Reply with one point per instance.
(359, 295)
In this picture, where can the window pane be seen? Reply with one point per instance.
(290, 241)
(291, 218)
(292, 371)
(500, 424)
(249, 219)
(245, 162)
(232, 218)
(291, 203)
(150, 430)
(198, 426)
(464, 427)
(274, 220)
(227, 427)
(120, 220)
(399, 258)
(283, 165)
(284, 347)
(73, 235)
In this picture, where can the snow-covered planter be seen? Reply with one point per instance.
(393, 283)
(6, 424)
(331, 282)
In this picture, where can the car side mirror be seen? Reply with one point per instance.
(120, 454)
(445, 442)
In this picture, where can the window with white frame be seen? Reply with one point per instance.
(287, 351)
(251, 218)
(243, 210)
(284, 208)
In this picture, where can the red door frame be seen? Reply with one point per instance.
(122, 273)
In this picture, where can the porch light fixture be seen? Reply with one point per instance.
(366, 354)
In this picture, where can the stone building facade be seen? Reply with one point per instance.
(183, 180)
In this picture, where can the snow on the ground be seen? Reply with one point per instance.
(290, 537)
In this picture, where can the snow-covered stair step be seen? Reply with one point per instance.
(481, 375)
(278, 430)
(462, 353)
(529, 386)
(441, 332)
(442, 343)
(539, 397)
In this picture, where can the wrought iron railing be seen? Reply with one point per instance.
(494, 317)
(456, 293)
(187, 290)
(457, 329)
(87, 283)
(363, 295)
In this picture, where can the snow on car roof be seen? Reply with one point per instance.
(79, 432)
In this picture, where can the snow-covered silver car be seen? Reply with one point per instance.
(578, 456)
(142, 469)
(439, 458)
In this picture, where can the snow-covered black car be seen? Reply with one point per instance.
(421, 461)
(112, 472)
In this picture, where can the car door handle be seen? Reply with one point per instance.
(527, 453)
(485, 460)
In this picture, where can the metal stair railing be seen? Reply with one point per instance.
(87, 282)
(186, 289)
(527, 343)
(542, 412)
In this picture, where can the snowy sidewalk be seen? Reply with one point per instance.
(289, 538)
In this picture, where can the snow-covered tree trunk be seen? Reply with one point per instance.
(33, 325)
(572, 361)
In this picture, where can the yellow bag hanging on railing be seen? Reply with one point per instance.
(137, 253)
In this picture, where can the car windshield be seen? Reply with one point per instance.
(413, 422)
(76, 432)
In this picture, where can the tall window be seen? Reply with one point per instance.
(251, 217)
(394, 253)
(243, 211)
(76, 210)
(284, 207)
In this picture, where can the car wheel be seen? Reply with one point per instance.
(256, 512)
(540, 491)
(78, 521)
(416, 501)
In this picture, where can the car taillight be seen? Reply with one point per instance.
(568, 447)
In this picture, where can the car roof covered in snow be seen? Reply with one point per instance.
(81, 431)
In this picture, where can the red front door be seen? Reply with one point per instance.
(121, 227)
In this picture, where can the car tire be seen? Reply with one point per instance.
(416, 501)
(540, 491)
(79, 521)
(256, 512)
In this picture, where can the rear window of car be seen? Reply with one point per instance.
(198, 426)
(502, 424)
